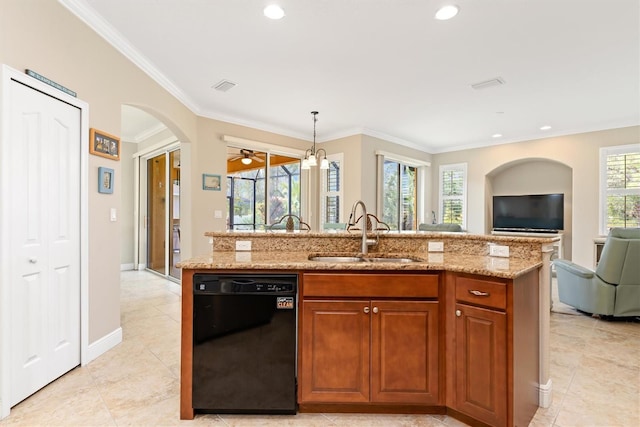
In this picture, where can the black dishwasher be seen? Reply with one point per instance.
(244, 343)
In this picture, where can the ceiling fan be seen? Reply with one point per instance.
(246, 157)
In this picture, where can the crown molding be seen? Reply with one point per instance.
(89, 16)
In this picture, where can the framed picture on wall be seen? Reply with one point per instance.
(210, 182)
(105, 180)
(103, 144)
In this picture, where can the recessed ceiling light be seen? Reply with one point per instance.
(273, 11)
(447, 12)
(496, 135)
(545, 127)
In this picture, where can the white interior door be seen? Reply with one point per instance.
(44, 140)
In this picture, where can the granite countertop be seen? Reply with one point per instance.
(508, 268)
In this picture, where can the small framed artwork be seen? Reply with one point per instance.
(105, 180)
(210, 182)
(103, 144)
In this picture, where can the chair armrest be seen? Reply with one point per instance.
(573, 268)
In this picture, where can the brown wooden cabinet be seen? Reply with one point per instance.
(492, 347)
(335, 356)
(404, 352)
(359, 351)
(481, 368)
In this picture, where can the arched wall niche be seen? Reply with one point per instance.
(532, 176)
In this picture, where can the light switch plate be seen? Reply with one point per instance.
(113, 215)
(243, 245)
(217, 214)
(436, 247)
(499, 251)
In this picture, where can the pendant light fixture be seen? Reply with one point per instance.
(311, 156)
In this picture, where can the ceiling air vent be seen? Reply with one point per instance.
(224, 85)
(498, 81)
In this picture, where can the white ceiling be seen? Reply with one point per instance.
(386, 68)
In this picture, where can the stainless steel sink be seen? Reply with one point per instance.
(336, 259)
(390, 259)
(331, 258)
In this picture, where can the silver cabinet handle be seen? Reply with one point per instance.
(458, 313)
(366, 310)
(375, 309)
(478, 293)
(33, 260)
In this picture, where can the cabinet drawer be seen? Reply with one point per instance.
(481, 292)
(370, 285)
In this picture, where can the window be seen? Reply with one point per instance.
(248, 207)
(452, 206)
(399, 207)
(331, 191)
(400, 190)
(619, 187)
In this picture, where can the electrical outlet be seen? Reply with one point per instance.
(499, 263)
(436, 247)
(499, 251)
(243, 245)
(437, 258)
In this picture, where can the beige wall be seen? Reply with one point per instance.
(209, 155)
(43, 36)
(579, 152)
(127, 202)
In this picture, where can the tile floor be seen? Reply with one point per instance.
(595, 370)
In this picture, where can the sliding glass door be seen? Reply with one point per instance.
(163, 213)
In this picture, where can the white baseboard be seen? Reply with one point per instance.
(101, 346)
(126, 267)
(544, 394)
(142, 266)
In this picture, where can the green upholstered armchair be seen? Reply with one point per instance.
(614, 288)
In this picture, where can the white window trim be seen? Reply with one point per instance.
(463, 168)
(604, 153)
(338, 157)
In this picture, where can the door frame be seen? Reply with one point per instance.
(9, 75)
(140, 252)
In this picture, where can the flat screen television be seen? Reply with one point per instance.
(532, 212)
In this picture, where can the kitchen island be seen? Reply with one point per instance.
(454, 332)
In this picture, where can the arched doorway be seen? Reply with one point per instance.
(153, 237)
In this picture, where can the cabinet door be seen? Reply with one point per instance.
(481, 364)
(404, 358)
(335, 352)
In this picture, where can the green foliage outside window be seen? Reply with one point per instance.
(452, 196)
(399, 196)
(623, 190)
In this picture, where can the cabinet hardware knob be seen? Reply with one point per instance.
(366, 310)
(375, 309)
(458, 313)
(478, 293)
(33, 260)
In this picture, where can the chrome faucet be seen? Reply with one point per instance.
(352, 221)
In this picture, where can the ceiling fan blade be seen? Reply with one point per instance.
(233, 159)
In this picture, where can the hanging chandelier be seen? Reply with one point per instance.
(311, 156)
